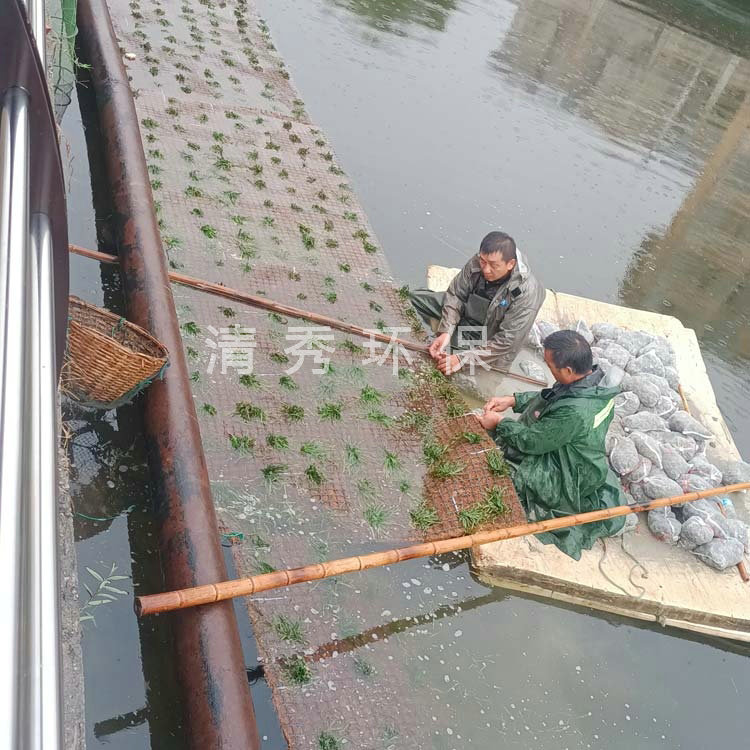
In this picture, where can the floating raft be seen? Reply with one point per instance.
(664, 584)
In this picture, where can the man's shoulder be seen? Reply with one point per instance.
(527, 286)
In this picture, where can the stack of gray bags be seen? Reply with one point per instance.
(657, 448)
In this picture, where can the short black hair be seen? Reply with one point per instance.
(499, 242)
(570, 349)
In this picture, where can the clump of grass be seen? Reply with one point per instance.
(263, 567)
(288, 629)
(446, 469)
(250, 381)
(277, 442)
(293, 412)
(391, 462)
(352, 455)
(455, 409)
(209, 231)
(331, 412)
(369, 395)
(417, 420)
(363, 666)
(366, 489)
(376, 515)
(279, 358)
(242, 443)
(351, 347)
(209, 409)
(433, 451)
(423, 516)
(272, 472)
(330, 297)
(193, 192)
(497, 464)
(307, 237)
(495, 500)
(471, 437)
(248, 412)
(404, 486)
(475, 515)
(190, 328)
(328, 741)
(295, 670)
(379, 417)
(471, 517)
(313, 449)
(314, 474)
(287, 382)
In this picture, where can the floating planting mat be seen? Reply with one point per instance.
(468, 485)
(318, 444)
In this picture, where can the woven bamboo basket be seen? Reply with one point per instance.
(108, 360)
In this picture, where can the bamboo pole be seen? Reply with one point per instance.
(216, 592)
(264, 303)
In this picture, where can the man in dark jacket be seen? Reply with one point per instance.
(496, 291)
(558, 444)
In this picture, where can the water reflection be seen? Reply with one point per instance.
(681, 103)
(393, 16)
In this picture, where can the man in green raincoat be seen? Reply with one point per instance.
(558, 444)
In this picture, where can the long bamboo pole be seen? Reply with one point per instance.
(264, 303)
(216, 592)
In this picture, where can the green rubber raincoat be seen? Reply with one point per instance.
(558, 448)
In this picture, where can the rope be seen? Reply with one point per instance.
(601, 569)
(638, 564)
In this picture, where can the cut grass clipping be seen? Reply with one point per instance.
(488, 509)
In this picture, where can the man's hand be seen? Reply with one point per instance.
(500, 403)
(490, 419)
(437, 346)
(449, 363)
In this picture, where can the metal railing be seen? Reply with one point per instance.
(30, 664)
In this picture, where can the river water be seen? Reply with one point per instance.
(610, 139)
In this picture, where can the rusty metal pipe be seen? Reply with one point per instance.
(218, 707)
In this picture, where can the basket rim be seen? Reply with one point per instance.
(78, 302)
